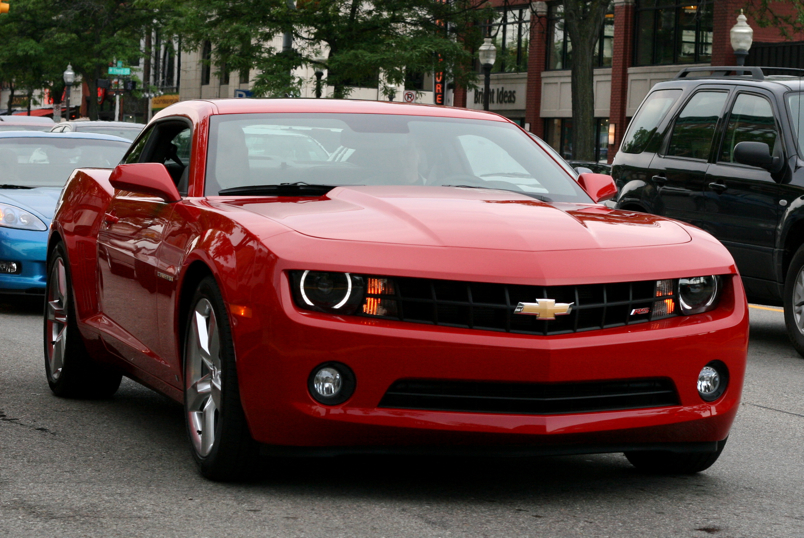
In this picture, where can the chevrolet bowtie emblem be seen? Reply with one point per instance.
(544, 309)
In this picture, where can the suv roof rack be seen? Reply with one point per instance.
(723, 71)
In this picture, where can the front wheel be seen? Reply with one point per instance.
(216, 424)
(666, 462)
(70, 370)
(794, 301)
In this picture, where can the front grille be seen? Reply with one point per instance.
(527, 398)
(484, 306)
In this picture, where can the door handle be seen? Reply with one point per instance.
(659, 180)
(717, 187)
(110, 218)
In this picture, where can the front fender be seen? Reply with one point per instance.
(78, 217)
(633, 193)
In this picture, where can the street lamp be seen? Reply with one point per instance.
(487, 54)
(69, 79)
(318, 75)
(742, 36)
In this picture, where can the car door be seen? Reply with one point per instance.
(679, 169)
(744, 203)
(129, 242)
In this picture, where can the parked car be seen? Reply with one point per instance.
(33, 169)
(444, 284)
(724, 153)
(25, 123)
(115, 128)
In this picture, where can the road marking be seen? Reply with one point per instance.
(766, 308)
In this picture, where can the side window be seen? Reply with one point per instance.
(170, 144)
(135, 152)
(695, 126)
(650, 114)
(751, 120)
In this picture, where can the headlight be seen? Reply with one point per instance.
(335, 293)
(15, 217)
(698, 294)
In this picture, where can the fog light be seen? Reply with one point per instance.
(9, 267)
(712, 381)
(327, 382)
(331, 383)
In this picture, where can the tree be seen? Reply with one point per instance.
(786, 15)
(34, 52)
(98, 32)
(353, 40)
(584, 21)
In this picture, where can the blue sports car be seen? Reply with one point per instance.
(34, 166)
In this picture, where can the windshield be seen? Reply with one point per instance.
(126, 132)
(48, 162)
(372, 149)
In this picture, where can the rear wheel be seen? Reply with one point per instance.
(794, 301)
(666, 462)
(216, 424)
(70, 370)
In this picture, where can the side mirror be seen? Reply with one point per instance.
(145, 178)
(755, 154)
(599, 187)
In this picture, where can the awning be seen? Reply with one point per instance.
(37, 112)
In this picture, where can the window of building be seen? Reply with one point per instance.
(244, 75)
(512, 40)
(206, 63)
(559, 46)
(673, 32)
(558, 133)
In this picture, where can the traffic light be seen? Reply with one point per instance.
(3, 7)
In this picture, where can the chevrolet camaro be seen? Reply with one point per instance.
(324, 277)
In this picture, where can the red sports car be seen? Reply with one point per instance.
(332, 277)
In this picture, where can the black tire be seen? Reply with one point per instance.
(220, 440)
(666, 462)
(794, 301)
(70, 370)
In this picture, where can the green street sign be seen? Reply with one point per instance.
(119, 63)
(119, 70)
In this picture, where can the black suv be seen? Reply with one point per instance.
(725, 152)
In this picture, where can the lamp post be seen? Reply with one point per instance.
(69, 79)
(487, 54)
(742, 36)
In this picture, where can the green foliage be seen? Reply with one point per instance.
(777, 13)
(352, 40)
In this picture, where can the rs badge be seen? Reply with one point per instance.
(544, 309)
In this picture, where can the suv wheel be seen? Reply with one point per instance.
(794, 301)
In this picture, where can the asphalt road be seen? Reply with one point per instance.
(122, 468)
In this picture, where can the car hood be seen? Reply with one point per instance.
(40, 200)
(463, 217)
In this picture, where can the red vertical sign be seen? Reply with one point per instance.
(438, 84)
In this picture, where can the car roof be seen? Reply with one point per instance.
(62, 136)
(117, 124)
(18, 118)
(201, 107)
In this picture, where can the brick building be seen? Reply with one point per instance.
(642, 42)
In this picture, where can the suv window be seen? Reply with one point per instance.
(647, 119)
(695, 126)
(751, 120)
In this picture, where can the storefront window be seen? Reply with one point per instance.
(558, 133)
(512, 40)
(673, 32)
(559, 46)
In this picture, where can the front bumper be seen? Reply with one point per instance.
(275, 359)
(28, 248)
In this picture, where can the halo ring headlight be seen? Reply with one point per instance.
(698, 294)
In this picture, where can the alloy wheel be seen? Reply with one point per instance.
(57, 318)
(204, 377)
(798, 301)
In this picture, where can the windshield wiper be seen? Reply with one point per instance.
(299, 188)
(518, 191)
(10, 186)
